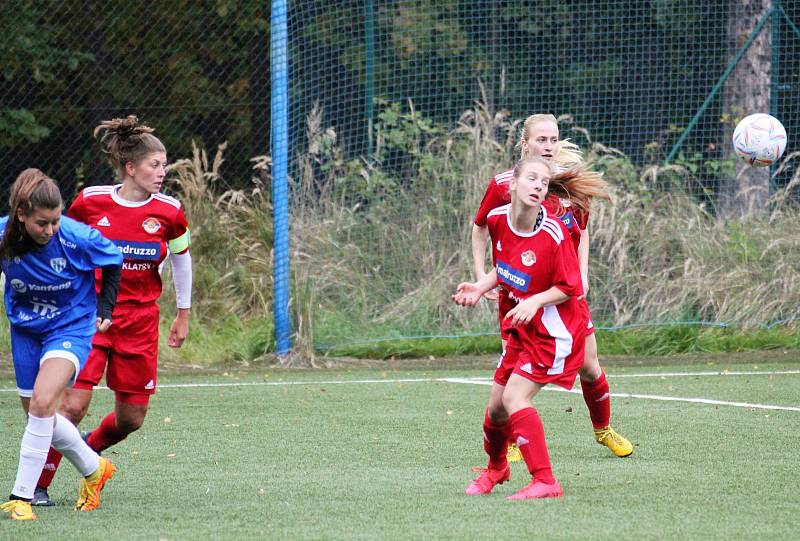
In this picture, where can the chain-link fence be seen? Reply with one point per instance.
(195, 71)
(400, 112)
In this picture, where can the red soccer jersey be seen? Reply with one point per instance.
(497, 195)
(141, 231)
(530, 263)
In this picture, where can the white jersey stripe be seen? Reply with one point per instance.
(552, 321)
(97, 190)
(505, 176)
(167, 199)
(553, 230)
(499, 210)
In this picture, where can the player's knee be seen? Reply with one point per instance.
(74, 411)
(496, 412)
(42, 405)
(513, 401)
(130, 423)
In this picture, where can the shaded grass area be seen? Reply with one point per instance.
(326, 459)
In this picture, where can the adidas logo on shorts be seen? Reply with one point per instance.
(150, 385)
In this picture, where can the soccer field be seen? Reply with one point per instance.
(386, 454)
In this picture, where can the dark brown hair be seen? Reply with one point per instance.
(31, 191)
(124, 140)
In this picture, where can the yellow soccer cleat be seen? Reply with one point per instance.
(514, 454)
(91, 485)
(618, 444)
(18, 510)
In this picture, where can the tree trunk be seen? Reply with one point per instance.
(746, 91)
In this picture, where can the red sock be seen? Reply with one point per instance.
(495, 442)
(527, 429)
(107, 434)
(598, 400)
(49, 470)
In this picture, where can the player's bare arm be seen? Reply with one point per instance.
(480, 239)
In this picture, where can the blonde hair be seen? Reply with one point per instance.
(567, 154)
(124, 140)
(522, 162)
(579, 186)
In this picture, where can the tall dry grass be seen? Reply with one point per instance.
(378, 244)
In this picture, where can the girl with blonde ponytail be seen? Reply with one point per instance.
(572, 189)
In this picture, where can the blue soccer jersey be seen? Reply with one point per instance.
(53, 286)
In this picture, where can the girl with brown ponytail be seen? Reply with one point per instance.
(49, 263)
(147, 226)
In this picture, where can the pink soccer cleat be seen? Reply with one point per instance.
(537, 489)
(487, 480)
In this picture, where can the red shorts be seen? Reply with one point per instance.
(129, 348)
(515, 360)
(508, 360)
(589, 324)
(504, 304)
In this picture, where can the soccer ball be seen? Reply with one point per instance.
(759, 139)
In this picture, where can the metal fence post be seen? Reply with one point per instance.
(718, 86)
(774, 82)
(370, 65)
(279, 65)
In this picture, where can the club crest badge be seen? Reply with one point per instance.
(151, 225)
(58, 264)
(528, 258)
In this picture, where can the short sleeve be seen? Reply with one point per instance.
(178, 237)
(495, 196)
(77, 211)
(99, 251)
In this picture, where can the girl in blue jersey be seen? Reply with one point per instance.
(49, 263)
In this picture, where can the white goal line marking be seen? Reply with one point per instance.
(706, 373)
(487, 381)
(648, 396)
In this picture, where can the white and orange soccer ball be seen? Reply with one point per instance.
(759, 139)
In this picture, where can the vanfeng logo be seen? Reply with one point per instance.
(18, 285)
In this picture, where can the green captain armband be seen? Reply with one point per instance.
(181, 244)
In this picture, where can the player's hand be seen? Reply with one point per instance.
(178, 332)
(491, 295)
(523, 313)
(467, 294)
(102, 325)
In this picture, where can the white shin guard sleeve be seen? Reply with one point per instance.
(33, 454)
(67, 441)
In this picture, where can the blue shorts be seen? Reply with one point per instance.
(30, 350)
